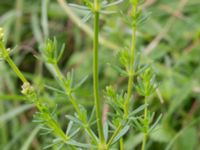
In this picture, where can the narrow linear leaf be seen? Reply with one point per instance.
(119, 70)
(74, 133)
(80, 83)
(155, 124)
(113, 3)
(105, 12)
(61, 53)
(139, 109)
(69, 127)
(87, 17)
(79, 6)
(74, 119)
(54, 89)
(105, 130)
(77, 144)
(121, 133)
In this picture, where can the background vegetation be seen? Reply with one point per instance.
(169, 41)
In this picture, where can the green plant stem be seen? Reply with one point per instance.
(131, 76)
(146, 125)
(131, 68)
(6, 56)
(74, 103)
(50, 121)
(121, 144)
(96, 5)
(144, 142)
(96, 72)
(54, 125)
(15, 69)
(58, 73)
(115, 134)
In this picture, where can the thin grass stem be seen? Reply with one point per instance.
(96, 72)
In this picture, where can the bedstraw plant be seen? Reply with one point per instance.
(101, 135)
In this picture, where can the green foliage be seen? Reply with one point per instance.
(51, 53)
(127, 114)
(146, 83)
(120, 120)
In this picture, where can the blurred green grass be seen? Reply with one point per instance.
(169, 39)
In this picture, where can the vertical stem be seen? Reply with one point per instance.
(115, 134)
(146, 125)
(73, 101)
(131, 65)
(144, 142)
(131, 75)
(121, 144)
(96, 5)
(96, 71)
(14, 67)
(33, 97)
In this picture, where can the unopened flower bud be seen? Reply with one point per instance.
(27, 89)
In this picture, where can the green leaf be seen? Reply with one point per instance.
(137, 124)
(106, 12)
(79, 6)
(143, 17)
(121, 133)
(61, 53)
(155, 123)
(77, 144)
(105, 130)
(137, 110)
(86, 17)
(126, 19)
(119, 70)
(74, 133)
(113, 4)
(69, 127)
(92, 114)
(78, 85)
(74, 119)
(55, 89)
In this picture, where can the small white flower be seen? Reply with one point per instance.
(27, 88)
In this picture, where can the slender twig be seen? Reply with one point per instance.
(131, 75)
(131, 70)
(121, 144)
(73, 101)
(118, 129)
(14, 67)
(27, 87)
(146, 125)
(96, 71)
